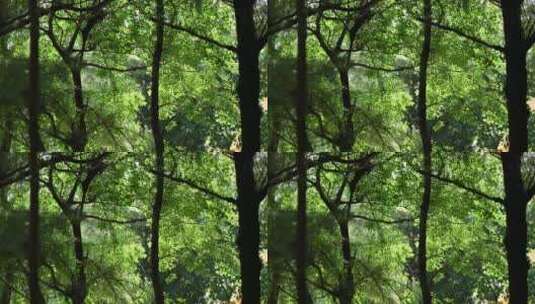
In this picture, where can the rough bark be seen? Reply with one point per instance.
(159, 156)
(36, 296)
(425, 135)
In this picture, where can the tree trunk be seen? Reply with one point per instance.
(249, 228)
(248, 200)
(36, 297)
(300, 106)
(515, 197)
(347, 136)
(249, 75)
(516, 237)
(516, 78)
(78, 138)
(159, 156)
(275, 270)
(348, 288)
(425, 134)
(79, 288)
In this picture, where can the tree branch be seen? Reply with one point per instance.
(131, 221)
(115, 69)
(382, 221)
(459, 184)
(197, 187)
(202, 37)
(382, 69)
(472, 38)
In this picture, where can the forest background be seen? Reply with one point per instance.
(218, 151)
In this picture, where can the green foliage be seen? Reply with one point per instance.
(200, 117)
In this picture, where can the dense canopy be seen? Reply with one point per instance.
(252, 151)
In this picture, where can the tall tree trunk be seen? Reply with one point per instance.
(78, 143)
(516, 237)
(275, 270)
(249, 228)
(425, 134)
(36, 296)
(516, 78)
(249, 75)
(79, 288)
(300, 106)
(78, 138)
(159, 156)
(348, 133)
(518, 115)
(248, 200)
(348, 291)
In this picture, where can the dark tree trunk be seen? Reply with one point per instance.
(249, 75)
(516, 78)
(248, 203)
(78, 138)
(425, 134)
(36, 297)
(348, 288)
(248, 200)
(348, 133)
(159, 156)
(516, 238)
(275, 270)
(300, 106)
(78, 143)
(79, 288)
(515, 197)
